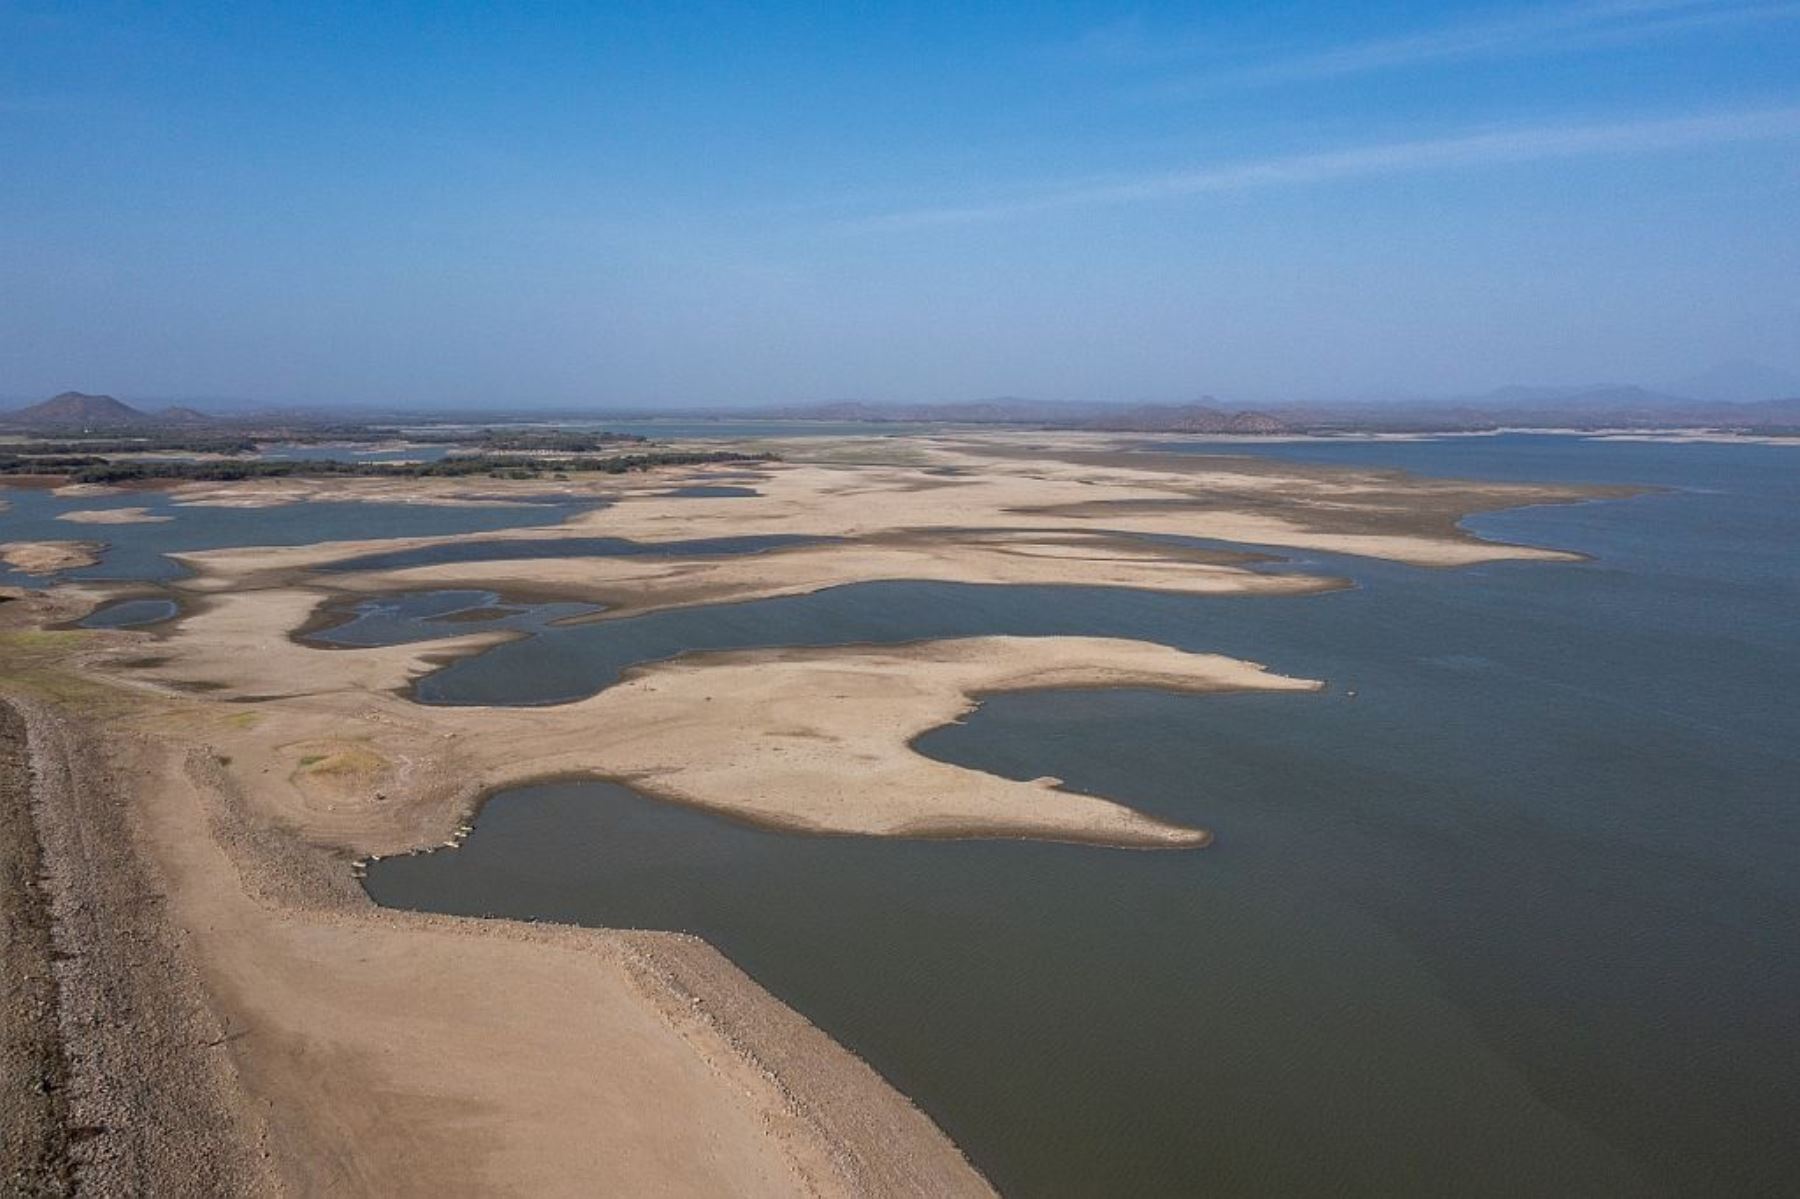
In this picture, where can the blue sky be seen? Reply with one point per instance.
(702, 204)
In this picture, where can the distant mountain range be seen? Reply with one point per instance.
(1555, 407)
(1187, 418)
(1000, 409)
(1739, 383)
(1577, 407)
(1582, 407)
(1203, 417)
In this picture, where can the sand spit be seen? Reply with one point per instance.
(814, 739)
(633, 585)
(1092, 490)
(442, 492)
(48, 557)
(379, 1052)
(1697, 437)
(821, 740)
(114, 516)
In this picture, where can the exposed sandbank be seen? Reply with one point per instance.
(1696, 437)
(822, 739)
(1086, 492)
(113, 516)
(48, 557)
(394, 1053)
(637, 584)
(815, 739)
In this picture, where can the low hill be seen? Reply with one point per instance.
(1740, 383)
(175, 414)
(75, 409)
(1000, 410)
(1187, 418)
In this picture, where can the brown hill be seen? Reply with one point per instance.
(75, 409)
(1187, 418)
(175, 414)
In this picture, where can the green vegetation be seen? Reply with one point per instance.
(500, 466)
(90, 457)
(15, 464)
(555, 441)
(154, 443)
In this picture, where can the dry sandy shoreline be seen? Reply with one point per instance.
(377, 1052)
(49, 557)
(114, 516)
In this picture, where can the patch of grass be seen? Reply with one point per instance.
(63, 687)
(342, 762)
(43, 641)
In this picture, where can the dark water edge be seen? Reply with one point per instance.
(1510, 909)
(130, 613)
(433, 615)
(530, 550)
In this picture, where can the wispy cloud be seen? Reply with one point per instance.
(1552, 29)
(1486, 147)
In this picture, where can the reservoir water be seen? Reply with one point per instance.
(524, 549)
(433, 615)
(711, 491)
(130, 613)
(135, 552)
(1512, 908)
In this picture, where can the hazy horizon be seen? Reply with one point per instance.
(446, 206)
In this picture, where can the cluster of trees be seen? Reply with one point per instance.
(171, 443)
(557, 442)
(99, 470)
(62, 464)
(175, 440)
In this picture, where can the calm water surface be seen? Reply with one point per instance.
(712, 491)
(135, 552)
(129, 613)
(1512, 908)
(433, 615)
(520, 549)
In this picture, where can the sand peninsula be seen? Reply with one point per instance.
(49, 557)
(114, 516)
(236, 774)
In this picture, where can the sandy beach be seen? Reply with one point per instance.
(114, 516)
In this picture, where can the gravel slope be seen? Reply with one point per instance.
(34, 1148)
